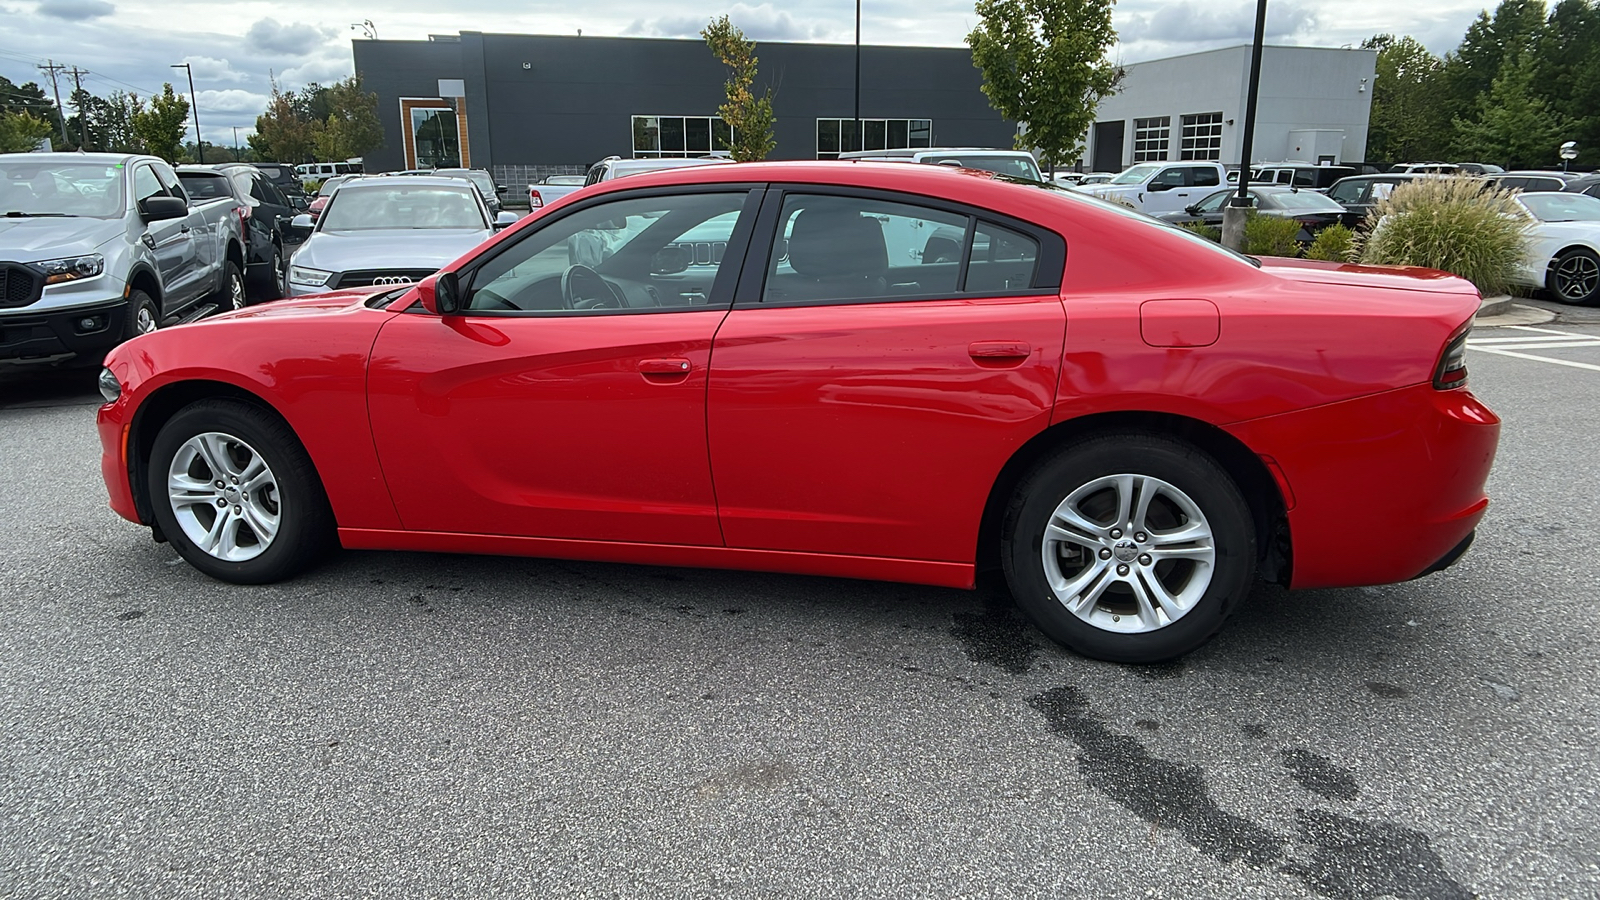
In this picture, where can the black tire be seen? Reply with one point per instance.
(140, 302)
(305, 524)
(1574, 277)
(270, 284)
(231, 295)
(1180, 466)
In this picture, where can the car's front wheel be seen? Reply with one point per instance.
(1129, 547)
(236, 493)
(1574, 277)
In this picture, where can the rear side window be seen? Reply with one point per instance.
(834, 249)
(1203, 177)
(205, 187)
(1347, 191)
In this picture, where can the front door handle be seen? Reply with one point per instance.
(999, 350)
(185, 229)
(669, 369)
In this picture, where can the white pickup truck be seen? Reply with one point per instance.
(1162, 187)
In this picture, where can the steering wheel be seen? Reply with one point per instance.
(583, 288)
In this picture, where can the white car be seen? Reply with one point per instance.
(1564, 251)
(389, 230)
(1162, 187)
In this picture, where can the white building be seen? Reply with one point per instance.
(1314, 105)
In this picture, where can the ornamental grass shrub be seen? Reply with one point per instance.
(1457, 225)
(1334, 243)
(1209, 232)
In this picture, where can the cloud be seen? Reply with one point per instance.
(233, 100)
(290, 40)
(759, 23)
(1191, 22)
(207, 68)
(75, 10)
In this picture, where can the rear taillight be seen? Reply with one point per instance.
(534, 200)
(1452, 369)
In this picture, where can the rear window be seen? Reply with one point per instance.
(1015, 166)
(276, 173)
(205, 187)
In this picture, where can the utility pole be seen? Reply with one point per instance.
(83, 121)
(194, 107)
(61, 115)
(861, 143)
(1237, 210)
(235, 143)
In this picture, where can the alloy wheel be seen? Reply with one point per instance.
(1577, 277)
(145, 320)
(224, 496)
(236, 298)
(1128, 553)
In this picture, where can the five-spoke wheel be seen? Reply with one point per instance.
(1574, 277)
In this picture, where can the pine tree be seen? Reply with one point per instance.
(1513, 126)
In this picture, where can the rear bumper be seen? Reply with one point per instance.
(1386, 488)
(51, 335)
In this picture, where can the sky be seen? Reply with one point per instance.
(236, 47)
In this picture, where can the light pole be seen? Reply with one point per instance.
(235, 143)
(194, 107)
(1234, 215)
(861, 144)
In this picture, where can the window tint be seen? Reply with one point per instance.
(1305, 177)
(1206, 177)
(1002, 260)
(1173, 176)
(1214, 202)
(169, 181)
(851, 248)
(627, 254)
(271, 194)
(1347, 191)
(145, 184)
(205, 187)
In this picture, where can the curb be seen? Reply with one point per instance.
(1494, 306)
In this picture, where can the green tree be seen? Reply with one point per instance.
(1567, 66)
(750, 117)
(1407, 121)
(352, 127)
(161, 126)
(22, 131)
(1470, 72)
(1513, 125)
(283, 133)
(1044, 64)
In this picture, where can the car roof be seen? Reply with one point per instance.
(78, 157)
(413, 180)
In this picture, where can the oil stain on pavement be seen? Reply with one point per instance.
(1319, 775)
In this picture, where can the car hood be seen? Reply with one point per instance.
(1405, 278)
(410, 248)
(30, 240)
(332, 303)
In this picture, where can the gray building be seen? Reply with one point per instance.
(525, 106)
(1314, 105)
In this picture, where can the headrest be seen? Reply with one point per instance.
(830, 242)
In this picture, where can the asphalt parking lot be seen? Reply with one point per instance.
(406, 725)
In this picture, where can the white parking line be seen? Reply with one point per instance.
(1537, 339)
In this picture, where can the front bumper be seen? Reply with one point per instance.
(53, 335)
(1381, 489)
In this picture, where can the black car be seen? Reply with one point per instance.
(1312, 210)
(483, 181)
(271, 240)
(1585, 184)
(1300, 175)
(287, 181)
(1531, 182)
(1360, 193)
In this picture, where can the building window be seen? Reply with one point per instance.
(1151, 138)
(835, 136)
(1202, 136)
(655, 137)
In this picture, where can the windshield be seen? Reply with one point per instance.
(1135, 175)
(69, 188)
(327, 186)
(376, 207)
(1562, 207)
(480, 178)
(1307, 201)
(1015, 166)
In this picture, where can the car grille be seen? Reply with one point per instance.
(365, 277)
(19, 286)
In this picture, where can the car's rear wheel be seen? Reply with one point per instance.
(1574, 277)
(236, 494)
(1129, 547)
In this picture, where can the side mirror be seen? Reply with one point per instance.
(156, 209)
(505, 219)
(440, 294)
(671, 260)
(499, 189)
(1192, 210)
(302, 224)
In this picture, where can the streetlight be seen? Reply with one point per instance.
(194, 107)
(235, 143)
(1234, 215)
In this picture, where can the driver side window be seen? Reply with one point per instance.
(631, 254)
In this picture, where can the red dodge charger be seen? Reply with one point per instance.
(863, 370)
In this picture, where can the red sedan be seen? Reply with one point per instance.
(862, 370)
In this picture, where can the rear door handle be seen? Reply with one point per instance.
(999, 350)
(672, 368)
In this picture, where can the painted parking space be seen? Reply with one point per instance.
(1543, 345)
